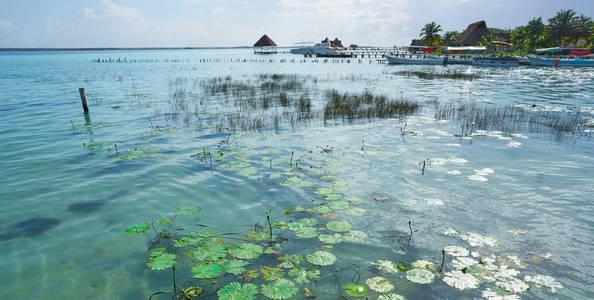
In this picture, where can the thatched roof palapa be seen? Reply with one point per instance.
(265, 41)
(472, 34)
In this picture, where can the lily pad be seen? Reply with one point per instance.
(321, 258)
(246, 251)
(354, 200)
(356, 290)
(162, 262)
(209, 252)
(339, 226)
(188, 210)
(138, 228)
(303, 275)
(423, 264)
(544, 281)
(202, 271)
(322, 209)
(386, 266)
(234, 266)
(391, 296)
(331, 238)
(355, 236)
(332, 197)
(279, 289)
(165, 222)
(237, 291)
(323, 191)
(380, 284)
(338, 205)
(307, 232)
(253, 235)
(355, 211)
(421, 276)
(456, 251)
(460, 280)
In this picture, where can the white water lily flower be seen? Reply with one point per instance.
(386, 266)
(479, 178)
(513, 285)
(434, 201)
(476, 240)
(463, 262)
(421, 276)
(460, 280)
(456, 251)
(544, 281)
(379, 284)
(492, 295)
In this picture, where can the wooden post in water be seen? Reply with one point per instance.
(83, 99)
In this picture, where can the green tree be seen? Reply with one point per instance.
(450, 36)
(563, 25)
(487, 41)
(520, 37)
(430, 34)
(584, 27)
(536, 26)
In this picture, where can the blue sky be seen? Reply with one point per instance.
(184, 23)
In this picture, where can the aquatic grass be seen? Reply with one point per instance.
(471, 117)
(438, 75)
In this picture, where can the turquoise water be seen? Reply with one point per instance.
(535, 201)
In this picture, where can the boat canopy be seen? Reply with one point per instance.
(466, 48)
(549, 50)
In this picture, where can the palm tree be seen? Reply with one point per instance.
(487, 41)
(536, 26)
(584, 27)
(449, 37)
(429, 34)
(563, 25)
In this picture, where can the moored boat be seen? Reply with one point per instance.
(575, 62)
(495, 61)
(429, 60)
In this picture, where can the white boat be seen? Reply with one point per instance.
(428, 60)
(495, 61)
(323, 48)
(575, 62)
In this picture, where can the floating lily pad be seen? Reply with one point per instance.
(475, 240)
(354, 200)
(355, 290)
(403, 266)
(331, 238)
(234, 266)
(421, 276)
(323, 191)
(272, 273)
(305, 183)
(303, 275)
(463, 262)
(513, 285)
(246, 251)
(423, 264)
(202, 271)
(138, 228)
(294, 179)
(162, 262)
(355, 211)
(248, 171)
(332, 197)
(321, 258)
(391, 296)
(165, 222)
(308, 222)
(307, 232)
(237, 291)
(544, 281)
(279, 289)
(290, 261)
(355, 236)
(188, 210)
(456, 251)
(338, 205)
(322, 209)
(209, 252)
(460, 280)
(380, 284)
(386, 266)
(253, 235)
(339, 226)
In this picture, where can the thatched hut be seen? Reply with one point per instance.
(265, 45)
(472, 35)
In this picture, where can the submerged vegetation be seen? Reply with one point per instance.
(439, 75)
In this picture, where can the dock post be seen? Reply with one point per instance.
(83, 99)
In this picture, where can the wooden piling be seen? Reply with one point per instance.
(83, 99)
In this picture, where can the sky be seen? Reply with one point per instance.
(210, 23)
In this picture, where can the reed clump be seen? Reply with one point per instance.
(352, 107)
(439, 75)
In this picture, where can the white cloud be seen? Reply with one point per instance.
(112, 10)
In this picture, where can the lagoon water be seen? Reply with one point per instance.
(532, 193)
